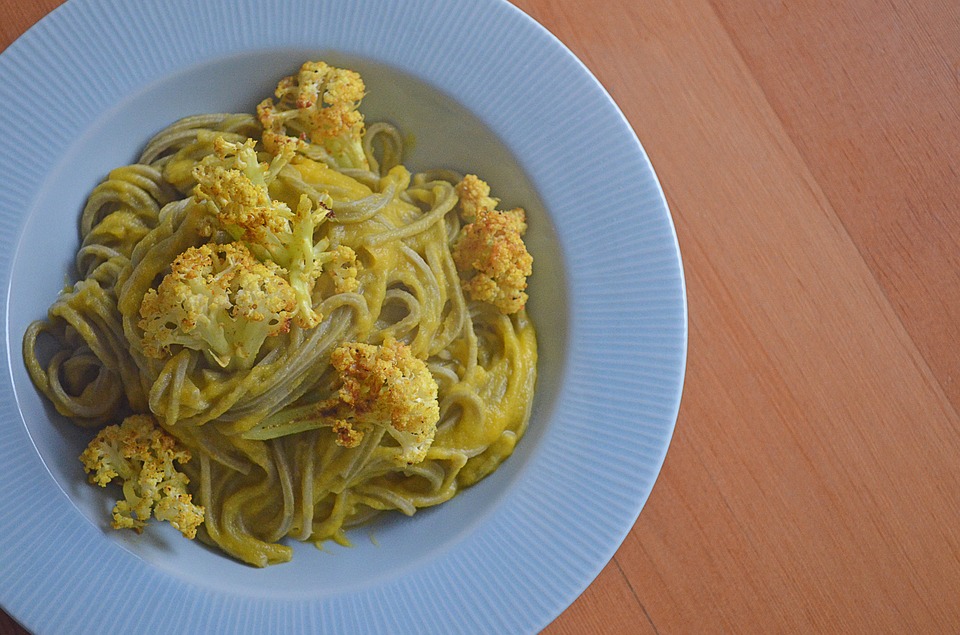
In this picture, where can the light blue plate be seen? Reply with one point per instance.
(481, 88)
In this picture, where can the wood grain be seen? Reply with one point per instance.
(809, 153)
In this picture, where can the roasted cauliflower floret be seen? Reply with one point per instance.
(220, 300)
(385, 386)
(236, 186)
(493, 260)
(321, 103)
(144, 458)
(474, 195)
(343, 269)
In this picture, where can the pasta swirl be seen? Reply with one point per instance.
(267, 469)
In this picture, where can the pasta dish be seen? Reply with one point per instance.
(277, 331)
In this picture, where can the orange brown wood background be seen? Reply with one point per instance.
(810, 153)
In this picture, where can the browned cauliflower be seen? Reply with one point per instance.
(490, 254)
(321, 103)
(236, 185)
(474, 195)
(387, 386)
(220, 300)
(235, 182)
(144, 458)
(343, 268)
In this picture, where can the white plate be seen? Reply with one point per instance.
(482, 88)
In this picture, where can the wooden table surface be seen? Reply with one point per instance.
(809, 152)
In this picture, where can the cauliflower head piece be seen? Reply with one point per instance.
(235, 185)
(144, 458)
(387, 386)
(342, 269)
(491, 257)
(473, 194)
(321, 103)
(220, 300)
